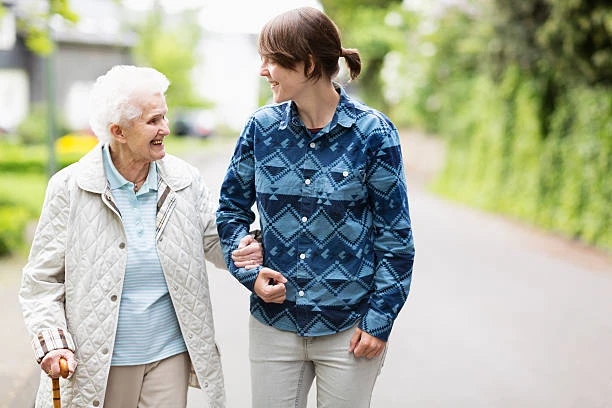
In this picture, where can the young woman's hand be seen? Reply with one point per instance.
(270, 286)
(365, 345)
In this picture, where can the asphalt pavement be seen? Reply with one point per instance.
(500, 315)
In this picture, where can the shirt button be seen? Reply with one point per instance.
(307, 181)
(313, 145)
(345, 173)
(304, 219)
(122, 245)
(302, 256)
(301, 293)
(113, 298)
(104, 350)
(96, 403)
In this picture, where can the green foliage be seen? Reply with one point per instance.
(363, 25)
(21, 197)
(577, 39)
(515, 25)
(522, 91)
(34, 25)
(500, 160)
(33, 129)
(442, 56)
(24, 190)
(22, 158)
(169, 48)
(13, 222)
(470, 175)
(62, 8)
(569, 40)
(582, 207)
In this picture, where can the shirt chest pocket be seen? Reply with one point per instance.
(341, 185)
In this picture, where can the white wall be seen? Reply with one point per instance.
(14, 97)
(228, 75)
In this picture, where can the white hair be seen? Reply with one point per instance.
(113, 96)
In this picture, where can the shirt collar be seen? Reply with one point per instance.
(117, 181)
(345, 113)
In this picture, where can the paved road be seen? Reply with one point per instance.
(500, 315)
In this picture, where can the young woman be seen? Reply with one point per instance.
(327, 176)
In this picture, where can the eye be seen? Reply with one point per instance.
(156, 119)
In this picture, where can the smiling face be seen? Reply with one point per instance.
(142, 139)
(286, 84)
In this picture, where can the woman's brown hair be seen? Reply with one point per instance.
(307, 35)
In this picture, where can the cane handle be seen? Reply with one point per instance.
(63, 367)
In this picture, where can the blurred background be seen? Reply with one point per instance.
(518, 92)
(505, 113)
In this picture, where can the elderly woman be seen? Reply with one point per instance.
(116, 278)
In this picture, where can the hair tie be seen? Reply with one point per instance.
(342, 52)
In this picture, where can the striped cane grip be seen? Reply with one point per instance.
(57, 402)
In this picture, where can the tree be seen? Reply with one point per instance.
(168, 46)
(578, 39)
(362, 24)
(33, 23)
(568, 40)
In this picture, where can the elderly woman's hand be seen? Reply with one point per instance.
(249, 253)
(50, 363)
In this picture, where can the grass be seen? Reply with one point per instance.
(24, 189)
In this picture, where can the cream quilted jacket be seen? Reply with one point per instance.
(72, 282)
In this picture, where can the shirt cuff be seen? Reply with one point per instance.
(51, 339)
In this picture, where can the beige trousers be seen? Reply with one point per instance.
(159, 384)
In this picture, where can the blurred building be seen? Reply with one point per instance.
(228, 75)
(229, 71)
(83, 52)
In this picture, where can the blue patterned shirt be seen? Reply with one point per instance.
(334, 217)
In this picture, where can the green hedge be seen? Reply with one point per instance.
(13, 223)
(30, 158)
(554, 171)
(579, 150)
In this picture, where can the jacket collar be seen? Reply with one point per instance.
(91, 176)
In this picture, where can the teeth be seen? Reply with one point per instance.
(157, 142)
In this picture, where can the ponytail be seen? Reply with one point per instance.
(352, 60)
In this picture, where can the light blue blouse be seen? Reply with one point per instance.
(148, 329)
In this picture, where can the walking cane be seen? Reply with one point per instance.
(57, 401)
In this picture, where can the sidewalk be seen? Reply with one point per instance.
(18, 370)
